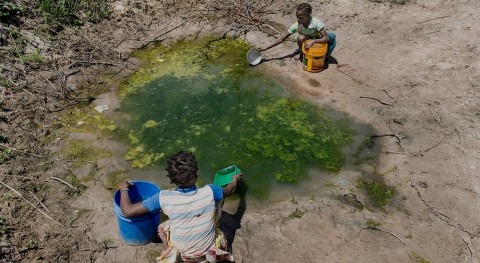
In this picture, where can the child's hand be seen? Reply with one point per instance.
(124, 185)
(309, 44)
(237, 177)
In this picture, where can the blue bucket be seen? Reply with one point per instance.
(137, 230)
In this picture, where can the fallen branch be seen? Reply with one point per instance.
(397, 136)
(87, 63)
(22, 177)
(21, 151)
(159, 36)
(377, 229)
(272, 28)
(39, 201)
(383, 103)
(468, 246)
(441, 215)
(353, 78)
(49, 82)
(62, 181)
(19, 194)
(431, 19)
(437, 120)
(422, 152)
(388, 94)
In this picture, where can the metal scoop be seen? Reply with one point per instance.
(254, 57)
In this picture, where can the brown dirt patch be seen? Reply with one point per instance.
(420, 57)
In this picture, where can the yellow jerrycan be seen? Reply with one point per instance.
(314, 57)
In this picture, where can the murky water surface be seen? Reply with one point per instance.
(202, 96)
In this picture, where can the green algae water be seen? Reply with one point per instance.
(202, 96)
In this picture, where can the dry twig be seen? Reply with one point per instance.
(19, 194)
(388, 94)
(442, 216)
(17, 150)
(397, 136)
(62, 181)
(155, 39)
(378, 229)
(383, 103)
(431, 19)
(39, 201)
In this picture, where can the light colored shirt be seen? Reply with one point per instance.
(153, 203)
(311, 32)
(191, 216)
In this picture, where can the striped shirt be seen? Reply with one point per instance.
(191, 215)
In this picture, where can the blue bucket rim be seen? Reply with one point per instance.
(118, 210)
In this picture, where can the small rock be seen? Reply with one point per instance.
(101, 108)
(80, 123)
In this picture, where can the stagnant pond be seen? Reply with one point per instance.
(202, 96)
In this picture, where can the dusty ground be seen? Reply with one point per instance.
(410, 70)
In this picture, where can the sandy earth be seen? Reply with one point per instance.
(422, 60)
(418, 64)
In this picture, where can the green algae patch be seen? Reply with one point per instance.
(185, 60)
(380, 194)
(86, 119)
(79, 152)
(418, 258)
(203, 97)
(373, 224)
(115, 178)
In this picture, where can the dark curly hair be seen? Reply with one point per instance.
(182, 169)
(305, 7)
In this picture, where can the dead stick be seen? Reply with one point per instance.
(428, 149)
(466, 244)
(272, 28)
(51, 84)
(392, 152)
(387, 134)
(28, 92)
(85, 161)
(437, 120)
(19, 194)
(476, 233)
(378, 229)
(40, 202)
(157, 37)
(441, 215)
(22, 177)
(388, 94)
(60, 180)
(383, 103)
(16, 85)
(431, 19)
(88, 63)
(17, 150)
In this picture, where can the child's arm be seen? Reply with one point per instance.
(277, 42)
(323, 39)
(230, 188)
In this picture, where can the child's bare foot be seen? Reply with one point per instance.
(167, 251)
(299, 58)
